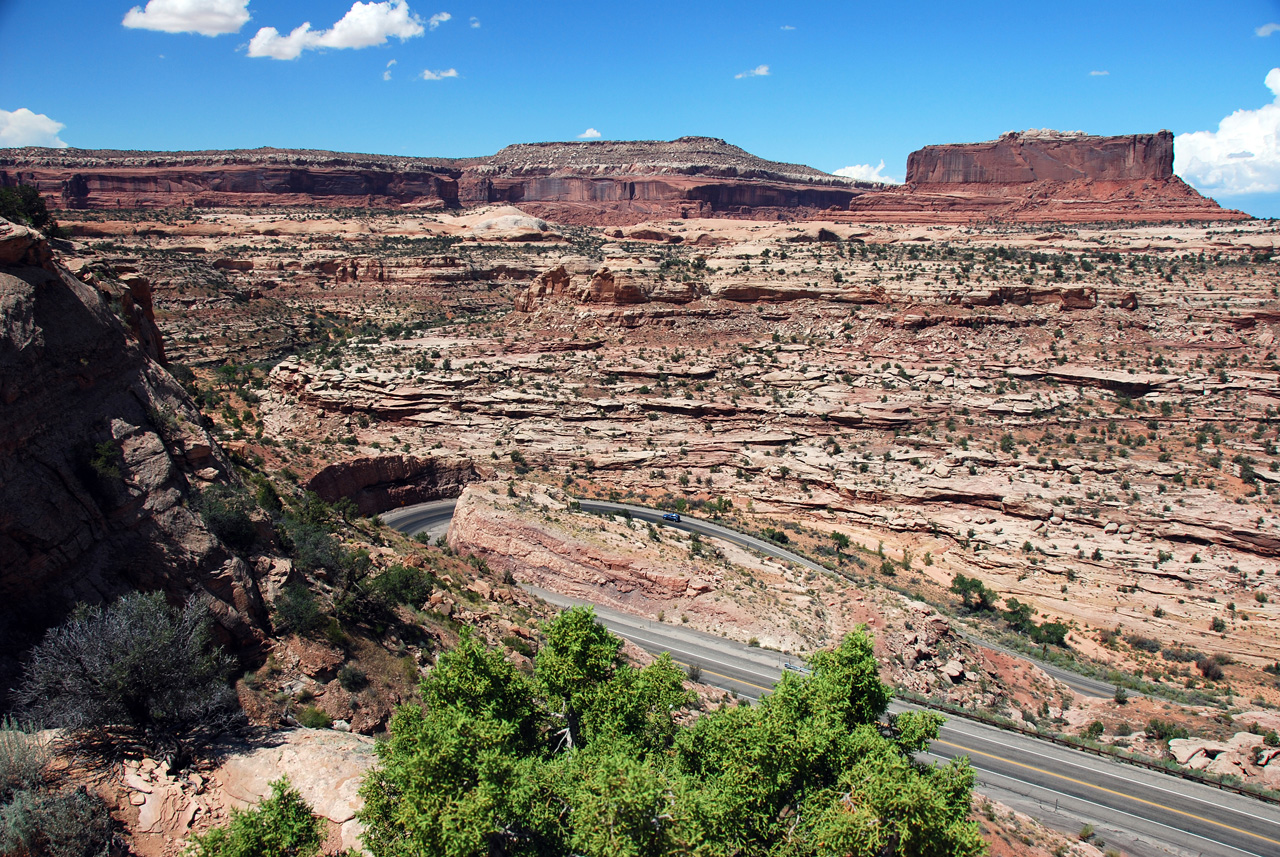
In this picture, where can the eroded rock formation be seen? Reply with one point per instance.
(390, 481)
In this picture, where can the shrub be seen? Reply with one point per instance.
(225, 511)
(352, 678)
(69, 823)
(1210, 668)
(1145, 644)
(313, 718)
(106, 460)
(281, 825)
(23, 757)
(1181, 655)
(312, 546)
(296, 610)
(24, 204)
(1164, 730)
(1217, 625)
(1094, 730)
(136, 676)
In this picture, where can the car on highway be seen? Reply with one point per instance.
(670, 516)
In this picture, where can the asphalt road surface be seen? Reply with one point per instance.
(1139, 812)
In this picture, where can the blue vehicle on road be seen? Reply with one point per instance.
(670, 516)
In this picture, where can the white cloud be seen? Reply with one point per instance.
(589, 134)
(24, 128)
(386, 75)
(1099, 73)
(867, 173)
(1242, 156)
(428, 74)
(787, 27)
(475, 23)
(1267, 29)
(438, 18)
(206, 17)
(758, 71)
(365, 25)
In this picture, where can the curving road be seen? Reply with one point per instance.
(1140, 812)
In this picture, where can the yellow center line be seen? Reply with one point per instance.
(723, 676)
(1112, 792)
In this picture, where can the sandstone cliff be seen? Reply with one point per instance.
(579, 182)
(100, 450)
(1034, 176)
(1031, 156)
(391, 481)
(1042, 176)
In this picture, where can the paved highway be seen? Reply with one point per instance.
(1142, 813)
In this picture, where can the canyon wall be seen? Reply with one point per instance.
(1033, 176)
(102, 455)
(390, 481)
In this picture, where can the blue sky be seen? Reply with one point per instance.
(832, 85)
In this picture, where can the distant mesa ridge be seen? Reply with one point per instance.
(1024, 176)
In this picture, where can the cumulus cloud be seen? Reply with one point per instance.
(589, 134)
(1267, 29)
(1242, 156)
(365, 25)
(1099, 73)
(475, 23)
(437, 19)
(758, 71)
(428, 74)
(21, 127)
(206, 17)
(867, 173)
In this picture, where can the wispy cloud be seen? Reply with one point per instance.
(386, 75)
(1267, 29)
(475, 23)
(438, 18)
(758, 71)
(787, 27)
(1099, 73)
(867, 173)
(1242, 156)
(365, 25)
(21, 127)
(206, 17)
(428, 74)
(589, 134)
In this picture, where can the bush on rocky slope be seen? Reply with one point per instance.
(134, 677)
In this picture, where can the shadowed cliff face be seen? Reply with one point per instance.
(391, 481)
(99, 454)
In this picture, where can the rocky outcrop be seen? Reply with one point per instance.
(101, 452)
(547, 286)
(391, 481)
(606, 287)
